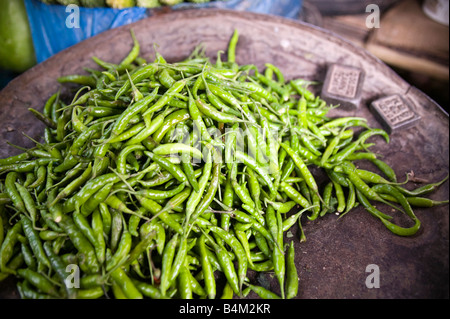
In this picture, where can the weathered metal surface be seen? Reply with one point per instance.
(332, 262)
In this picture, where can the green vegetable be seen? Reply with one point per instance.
(16, 49)
(130, 184)
(148, 3)
(93, 3)
(120, 4)
(170, 2)
(67, 2)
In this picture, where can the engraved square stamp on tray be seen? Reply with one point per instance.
(343, 86)
(394, 112)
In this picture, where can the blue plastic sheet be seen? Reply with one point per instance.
(50, 31)
(55, 28)
(284, 8)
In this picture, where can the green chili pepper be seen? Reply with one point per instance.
(291, 273)
(74, 185)
(350, 170)
(351, 198)
(163, 215)
(93, 202)
(141, 74)
(168, 95)
(120, 277)
(59, 267)
(167, 260)
(423, 189)
(398, 230)
(148, 290)
(7, 247)
(176, 171)
(232, 46)
(340, 197)
(122, 251)
(294, 195)
(81, 243)
(209, 195)
(386, 169)
(309, 178)
(226, 265)
(175, 148)
(39, 281)
(195, 197)
(211, 112)
(263, 292)
(34, 241)
(247, 160)
(13, 193)
(238, 250)
(100, 243)
(124, 118)
(417, 201)
(28, 201)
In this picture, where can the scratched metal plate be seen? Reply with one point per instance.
(332, 262)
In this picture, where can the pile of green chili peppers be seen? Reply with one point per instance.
(175, 180)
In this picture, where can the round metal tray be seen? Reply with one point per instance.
(332, 263)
